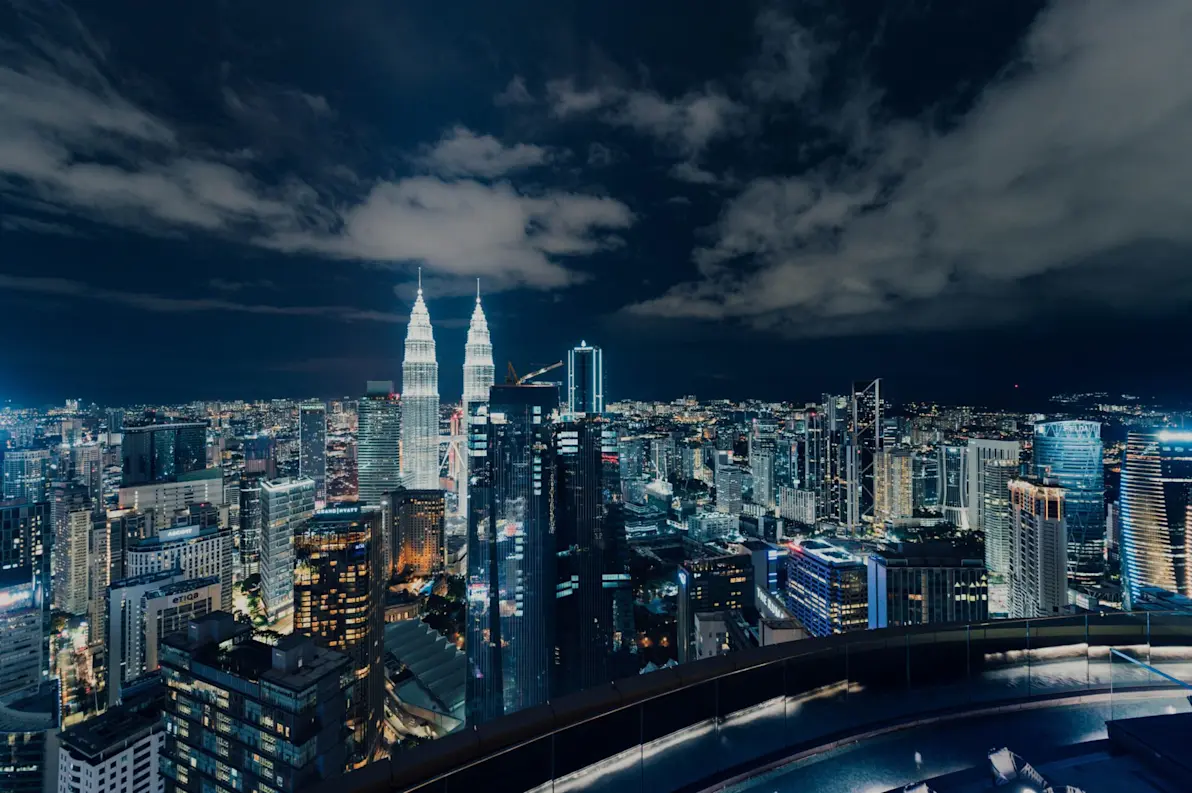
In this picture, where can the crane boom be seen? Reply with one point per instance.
(513, 378)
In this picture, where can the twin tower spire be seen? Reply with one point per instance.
(420, 389)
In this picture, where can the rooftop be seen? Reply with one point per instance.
(114, 729)
(931, 554)
(828, 553)
(218, 641)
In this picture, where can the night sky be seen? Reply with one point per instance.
(735, 199)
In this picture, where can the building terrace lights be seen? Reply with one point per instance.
(420, 401)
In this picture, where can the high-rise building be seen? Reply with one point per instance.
(71, 511)
(249, 540)
(1070, 453)
(995, 513)
(143, 610)
(1153, 518)
(260, 456)
(286, 506)
(953, 488)
(21, 652)
(417, 521)
(826, 588)
(86, 468)
(893, 486)
(420, 402)
(114, 426)
(25, 474)
(511, 551)
(926, 583)
(26, 539)
(196, 551)
(378, 445)
(729, 484)
(585, 379)
(715, 583)
(926, 475)
(981, 451)
(30, 700)
(312, 446)
(864, 440)
(479, 375)
(125, 527)
(99, 563)
(763, 448)
(339, 602)
(118, 750)
(589, 538)
(161, 501)
(155, 453)
(288, 699)
(1038, 580)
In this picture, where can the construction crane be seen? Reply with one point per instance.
(512, 378)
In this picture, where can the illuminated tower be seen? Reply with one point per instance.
(478, 379)
(420, 402)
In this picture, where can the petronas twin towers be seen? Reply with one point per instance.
(420, 391)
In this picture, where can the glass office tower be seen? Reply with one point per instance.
(339, 602)
(585, 379)
(312, 446)
(511, 551)
(378, 445)
(592, 572)
(154, 453)
(1070, 453)
(1155, 501)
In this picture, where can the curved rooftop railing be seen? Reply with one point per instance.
(687, 727)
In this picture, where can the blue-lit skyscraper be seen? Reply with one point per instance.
(1155, 501)
(511, 551)
(585, 379)
(1070, 453)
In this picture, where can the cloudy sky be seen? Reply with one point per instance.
(734, 199)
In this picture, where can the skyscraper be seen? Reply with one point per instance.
(155, 453)
(981, 451)
(479, 375)
(585, 379)
(995, 511)
(379, 442)
(893, 490)
(588, 538)
(249, 541)
(1038, 550)
(511, 551)
(420, 402)
(763, 447)
(728, 479)
(71, 511)
(25, 474)
(312, 446)
(286, 506)
(418, 530)
(1155, 498)
(1070, 452)
(953, 466)
(339, 602)
(864, 440)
